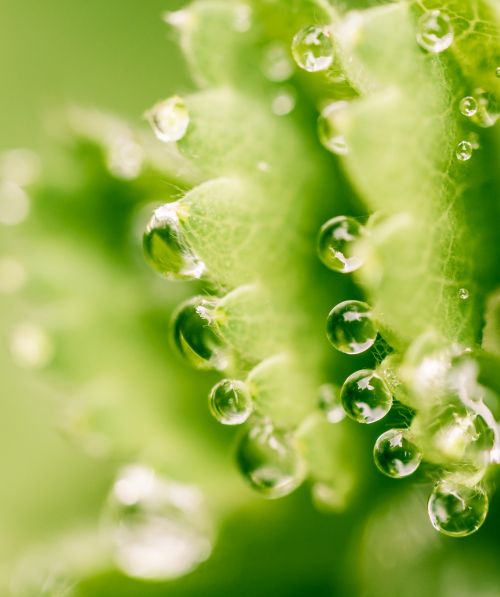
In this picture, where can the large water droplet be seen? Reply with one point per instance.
(457, 510)
(464, 151)
(365, 396)
(488, 110)
(328, 130)
(312, 48)
(395, 455)
(434, 31)
(336, 240)
(195, 334)
(468, 106)
(269, 461)
(230, 402)
(276, 63)
(159, 529)
(329, 403)
(350, 327)
(169, 119)
(166, 247)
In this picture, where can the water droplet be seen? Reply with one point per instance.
(14, 203)
(457, 510)
(336, 239)
(434, 31)
(463, 293)
(166, 248)
(350, 327)
(242, 18)
(269, 461)
(468, 106)
(12, 275)
(30, 345)
(365, 396)
(328, 130)
(195, 334)
(329, 403)
(276, 62)
(395, 455)
(283, 102)
(312, 48)
(464, 151)
(169, 119)
(159, 529)
(488, 110)
(230, 402)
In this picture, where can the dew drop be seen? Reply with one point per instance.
(195, 334)
(365, 396)
(329, 403)
(166, 248)
(159, 529)
(468, 106)
(464, 151)
(268, 460)
(276, 62)
(169, 119)
(434, 31)
(14, 204)
(283, 102)
(457, 510)
(395, 455)
(230, 402)
(350, 327)
(463, 294)
(312, 48)
(488, 110)
(336, 240)
(328, 130)
(31, 346)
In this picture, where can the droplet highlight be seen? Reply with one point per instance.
(463, 294)
(350, 327)
(328, 129)
(365, 396)
(230, 402)
(395, 455)
(312, 48)
(468, 106)
(336, 241)
(464, 151)
(434, 31)
(169, 119)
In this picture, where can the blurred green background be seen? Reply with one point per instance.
(67, 424)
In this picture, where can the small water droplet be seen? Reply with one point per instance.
(468, 106)
(268, 460)
(312, 48)
(336, 240)
(165, 245)
(283, 101)
(365, 396)
(464, 151)
(350, 327)
(457, 510)
(276, 62)
(12, 275)
(329, 403)
(31, 346)
(395, 455)
(14, 204)
(169, 119)
(488, 110)
(195, 334)
(434, 31)
(328, 130)
(230, 402)
(463, 293)
(159, 529)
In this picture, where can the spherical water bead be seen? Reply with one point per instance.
(166, 248)
(365, 396)
(464, 151)
(312, 48)
(463, 294)
(488, 110)
(395, 455)
(457, 510)
(169, 119)
(468, 106)
(336, 240)
(329, 403)
(276, 62)
(159, 529)
(195, 334)
(434, 31)
(269, 461)
(230, 402)
(327, 129)
(350, 327)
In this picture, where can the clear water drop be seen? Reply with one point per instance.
(169, 119)
(464, 151)
(312, 48)
(230, 402)
(457, 510)
(350, 327)
(166, 248)
(269, 461)
(195, 334)
(329, 403)
(395, 455)
(336, 240)
(283, 101)
(276, 62)
(463, 294)
(365, 396)
(31, 346)
(159, 529)
(488, 109)
(328, 130)
(468, 106)
(434, 31)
